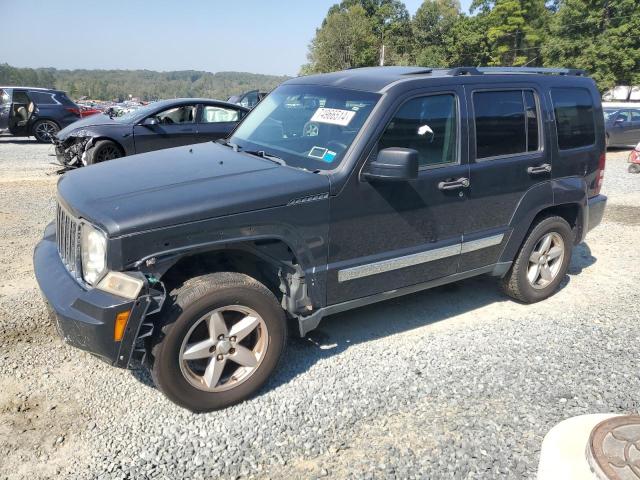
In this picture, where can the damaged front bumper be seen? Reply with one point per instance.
(85, 318)
(72, 152)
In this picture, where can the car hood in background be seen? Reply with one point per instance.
(179, 185)
(90, 121)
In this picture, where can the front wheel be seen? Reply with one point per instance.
(222, 336)
(542, 262)
(634, 168)
(102, 151)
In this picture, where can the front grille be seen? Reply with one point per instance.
(68, 239)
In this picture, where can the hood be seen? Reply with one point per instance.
(90, 121)
(180, 185)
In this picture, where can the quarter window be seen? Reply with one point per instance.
(507, 123)
(213, 114)
(575, 120)
(428, 125)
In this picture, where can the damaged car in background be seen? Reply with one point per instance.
(165, 124)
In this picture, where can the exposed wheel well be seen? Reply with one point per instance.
(262, 260)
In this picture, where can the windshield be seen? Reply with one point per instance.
(136, 114)
(307, 126)
(609, 112)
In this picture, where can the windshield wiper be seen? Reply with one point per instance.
(226, 143)
(266, 156)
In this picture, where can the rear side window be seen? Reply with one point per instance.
(64, 100)
(575, 120)
(42, 98)
(4, 97)
(507, 123)
(428, 125)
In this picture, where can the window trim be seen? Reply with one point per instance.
(593, 117)
(472, 116)
(458, 155)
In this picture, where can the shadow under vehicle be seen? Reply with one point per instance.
(335, 192)
(159, 125)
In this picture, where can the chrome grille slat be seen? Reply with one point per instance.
(68, 241)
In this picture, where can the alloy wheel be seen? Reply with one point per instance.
(223, 348)
(108, 152)
(45, 131)
(546, 260)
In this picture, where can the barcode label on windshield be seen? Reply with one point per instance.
(333, 116)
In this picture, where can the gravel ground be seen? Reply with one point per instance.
(456, 382)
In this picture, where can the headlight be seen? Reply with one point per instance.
(93, 246)
(121, 284)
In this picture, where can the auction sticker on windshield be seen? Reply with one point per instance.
(333, 116)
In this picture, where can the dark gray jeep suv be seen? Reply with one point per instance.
(335, 191)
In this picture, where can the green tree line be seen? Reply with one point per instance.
(600, 36)
(144, 84)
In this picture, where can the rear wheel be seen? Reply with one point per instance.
(542, 261)
(43, 130)
(222, 336)
(102, 151)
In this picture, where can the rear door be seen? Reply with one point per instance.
(508, 157)
(634, 132)
(216, 121)
(176, 126)
(5, 108)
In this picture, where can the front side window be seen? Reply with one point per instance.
(428, 125)
(214, 114)
(307, 126)
(506, 122)
(575, 120)
(177, 115)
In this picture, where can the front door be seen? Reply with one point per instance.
(634, 131)
(389, 235)
(509, 156)
(20, 111)
(176, 126)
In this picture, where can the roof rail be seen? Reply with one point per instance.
(544, 71)
(454, 72)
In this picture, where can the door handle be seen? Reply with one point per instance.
(540, 169)
(454, 184)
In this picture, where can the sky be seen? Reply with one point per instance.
(258, 36)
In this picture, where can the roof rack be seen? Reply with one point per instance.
(515, 70)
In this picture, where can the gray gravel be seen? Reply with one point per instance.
(457, 382)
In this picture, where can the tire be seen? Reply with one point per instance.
(634, 168)
(517, 284)
(102, 151)
(43, 129)
(185, 327)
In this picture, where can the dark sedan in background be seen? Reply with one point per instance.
(165, 124)
(623, 125)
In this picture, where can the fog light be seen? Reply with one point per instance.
(120, 325)
(121, 284)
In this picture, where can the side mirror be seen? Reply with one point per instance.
(619, 120)
(147, 122)
(393, 164)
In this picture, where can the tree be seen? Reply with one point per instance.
(345, 40)
(600, 36)
(432, 27)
